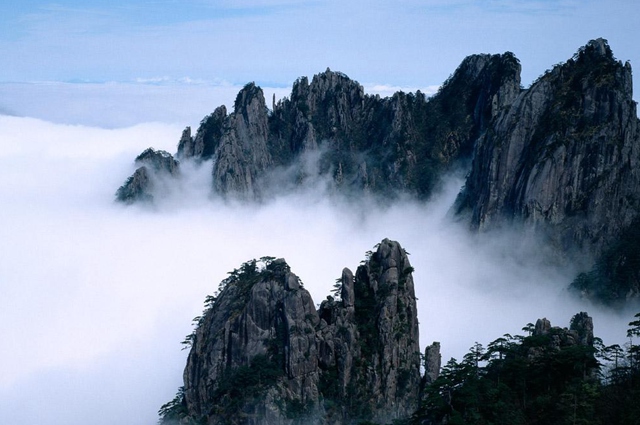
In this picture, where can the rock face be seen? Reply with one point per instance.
(361, 142)
(563, 157)
(152, 166)
(369, 341)
(262, 354)
(432, 362)
(242, 155)
(255, 349)
(207, 139)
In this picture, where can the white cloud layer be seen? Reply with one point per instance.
(96, 297)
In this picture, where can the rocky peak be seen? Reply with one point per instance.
(261, 353)
(336, 98)
(158, 160)
(580, 333)
(598, 49)
(253, 353)
(250, 102)
(185, 145)
(153, 166)
(563, 157)
(432, 363)
(242, 155)
(582, 325)
(365, 143)
(207, 138)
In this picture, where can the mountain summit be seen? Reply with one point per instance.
(363, 143)
(560, 157)
(262, 354)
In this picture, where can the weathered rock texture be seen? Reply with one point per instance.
(432, 362)
(361, 142)
(563, 157)
(152, 166)
(262, 354)
(369, 341)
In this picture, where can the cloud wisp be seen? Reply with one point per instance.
(96, 297)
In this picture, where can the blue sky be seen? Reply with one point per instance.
(406, 43)
(95, 299)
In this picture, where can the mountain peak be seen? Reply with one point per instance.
(262, 351)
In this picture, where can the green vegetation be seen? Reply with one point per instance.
(534, 380)
(240, 281)
(585, 78)
(245, 382)
(175, 412)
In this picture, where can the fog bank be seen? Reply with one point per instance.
(96, 297)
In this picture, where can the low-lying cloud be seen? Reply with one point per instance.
(96, 296)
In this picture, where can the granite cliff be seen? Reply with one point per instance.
(262, 354)
(560, 157)
(563, 156)
(563, 159)
(363, 143)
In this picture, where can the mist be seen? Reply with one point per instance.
(96, 297)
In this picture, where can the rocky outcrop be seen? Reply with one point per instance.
(370, 341)
(253, 357)
(204, 144)
(153, 165)
(401, 143)
(362, 143)
(580, 333)
(432, 362)
(262, 354)
(242, 155)
(563, 157)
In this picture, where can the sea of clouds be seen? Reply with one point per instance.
(95, 297)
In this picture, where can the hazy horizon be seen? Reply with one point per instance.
(96, 297)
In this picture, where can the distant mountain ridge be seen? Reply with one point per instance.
(560, 157)
(367, 143)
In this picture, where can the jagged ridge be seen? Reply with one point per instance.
(560, 157)
(367, 143)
